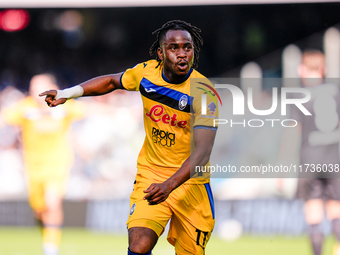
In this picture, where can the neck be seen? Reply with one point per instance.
(170, 78)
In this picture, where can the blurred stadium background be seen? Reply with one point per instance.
(77, 42)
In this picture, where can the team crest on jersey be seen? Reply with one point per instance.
(132, 208)
(183, 101)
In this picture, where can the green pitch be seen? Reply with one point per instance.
(27, 241)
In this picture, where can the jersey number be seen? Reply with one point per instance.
(199, 237)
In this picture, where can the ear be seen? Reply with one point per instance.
(160, 53)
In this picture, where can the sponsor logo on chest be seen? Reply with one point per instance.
(157, 114)
(163, 138)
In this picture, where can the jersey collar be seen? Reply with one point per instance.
(181, 80)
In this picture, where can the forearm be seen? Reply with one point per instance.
(101, 85)
(95, 87)
(199, 157)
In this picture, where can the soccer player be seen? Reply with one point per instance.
(319, 145)
(163, 189)
(47, 153)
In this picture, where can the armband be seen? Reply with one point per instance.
(73, 92)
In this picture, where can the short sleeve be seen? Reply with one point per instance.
(205, 118)
(132, 77)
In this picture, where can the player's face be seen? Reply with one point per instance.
(177, 53)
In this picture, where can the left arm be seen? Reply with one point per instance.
(204, 141)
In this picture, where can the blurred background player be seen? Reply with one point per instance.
(48, 154)
(319, 145)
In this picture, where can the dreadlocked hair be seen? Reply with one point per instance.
(178, 25)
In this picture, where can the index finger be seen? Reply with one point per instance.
(48, 93)
(44, 94)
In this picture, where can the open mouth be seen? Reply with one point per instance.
(182, 65)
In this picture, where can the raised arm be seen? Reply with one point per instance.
(204, 141)
(95, 87)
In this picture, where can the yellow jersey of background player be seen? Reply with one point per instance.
(48, 154)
